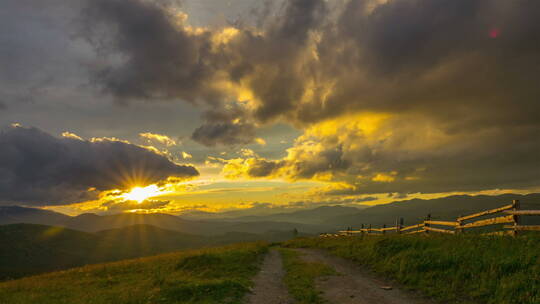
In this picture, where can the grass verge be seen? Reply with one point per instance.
(451, 269)
(300, 277)
(214, 275)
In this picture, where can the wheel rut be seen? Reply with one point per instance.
(354, 285)
(269, 287)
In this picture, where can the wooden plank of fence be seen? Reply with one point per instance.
(442, 223)
(414, 232)
(412, 227)
(488, 212)
(523, 212)
(524, 228)
(439, 230)
(388, 229)
(492, 221)
(499, 233)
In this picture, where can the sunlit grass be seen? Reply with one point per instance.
(453, 269)
(301, 277)
(218, 275)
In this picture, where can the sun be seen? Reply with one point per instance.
(141, 194)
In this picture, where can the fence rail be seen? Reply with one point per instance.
(511, 215)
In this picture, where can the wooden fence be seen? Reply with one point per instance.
(509, 214)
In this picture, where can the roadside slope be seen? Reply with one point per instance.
(214, 275)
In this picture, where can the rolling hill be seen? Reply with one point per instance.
(213, 275)
(317, 216)
(92, 222)
(29, 249)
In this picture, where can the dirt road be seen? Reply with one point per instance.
(354, 285)
(269, 287)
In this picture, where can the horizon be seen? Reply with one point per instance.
(271, 210)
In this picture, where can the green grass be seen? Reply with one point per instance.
(452, 269)
(300, 277)
(214, 275)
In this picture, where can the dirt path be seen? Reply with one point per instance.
(269, 288)
(355, 286)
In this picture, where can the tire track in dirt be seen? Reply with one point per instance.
(354, 285)
(269, 287)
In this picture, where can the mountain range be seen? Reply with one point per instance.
(35, 240)
(316, 220)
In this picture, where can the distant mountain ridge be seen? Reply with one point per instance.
(316, 216)
(447, 208)
(320, 219)
(92, 222)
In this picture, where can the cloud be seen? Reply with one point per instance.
(224, 133)
(371, 155)
(186, 155)
(71, 135)
(260, 141)
(39, 169)
(225, 126)
(314, 61)
(393, 96)
(121, 206)
(162, 139)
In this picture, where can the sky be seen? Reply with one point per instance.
(111, 106)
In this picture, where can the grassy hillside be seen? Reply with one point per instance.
(452, 269)
(28, 249)
(33, 249)
(217, 275)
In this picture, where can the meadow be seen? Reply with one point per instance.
(213, 275)
(450, 269)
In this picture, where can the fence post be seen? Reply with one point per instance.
(401, 224)
(426, 225)
(384, 231)
(515, 204)
(397, 225)
(369, 229)
(460, 223)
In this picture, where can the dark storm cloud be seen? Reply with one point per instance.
(458, 79)
(164, 59)
(39, 169)
(432, 57)
(160, 58)
(225, 127)
(224, 133)
(438, 58)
